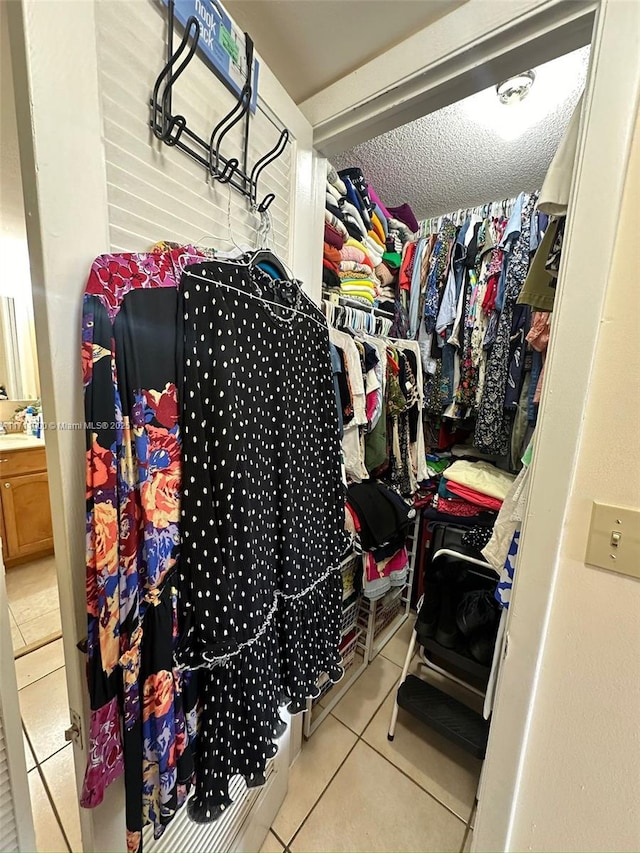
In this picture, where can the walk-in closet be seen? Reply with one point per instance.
(301, 455)
(442, 240)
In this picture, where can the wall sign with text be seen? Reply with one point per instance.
(221, 43)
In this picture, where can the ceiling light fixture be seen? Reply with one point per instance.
(515, 89)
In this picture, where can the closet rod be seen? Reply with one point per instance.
(494, 208)
(360, 306)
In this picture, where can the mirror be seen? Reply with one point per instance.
(18, 359)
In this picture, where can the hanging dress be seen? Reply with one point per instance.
(143, 710)
(493, 424)
(262, 516)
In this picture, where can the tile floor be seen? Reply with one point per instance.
(34, 609)
(41, 684)
(353, 790)
(349, 790)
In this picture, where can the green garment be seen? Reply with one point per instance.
(392, 259)
(539, 289)
(375, 443)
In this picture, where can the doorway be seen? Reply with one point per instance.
(525, 714)
(26, 527)
(474, 153)
(609, 50)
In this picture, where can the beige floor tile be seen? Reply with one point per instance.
(17, 640)
(371, 806)
(28, 755)
(398, 646)
(436, 764)
(49, 837)
(271, 844)
(468, 843)
(35, 665)
(319, 759)
(32, 589)
(59, 773)
(45, 713)
(43, 626)
(357, 708)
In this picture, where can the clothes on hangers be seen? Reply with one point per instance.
(465, 294)
(142, 709)
(147, 714)
(262, 514)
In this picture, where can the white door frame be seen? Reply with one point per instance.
(503, 38)
(55, 71)
(12, 738)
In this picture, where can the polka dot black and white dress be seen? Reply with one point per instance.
(262, 516)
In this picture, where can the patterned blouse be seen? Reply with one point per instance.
(143, 711)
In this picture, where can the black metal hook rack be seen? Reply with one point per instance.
(174, 131)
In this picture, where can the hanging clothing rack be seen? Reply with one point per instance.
(357, 316)
(458, 217)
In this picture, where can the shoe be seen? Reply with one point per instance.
(427, 621)
(447, 633)
(481, 646)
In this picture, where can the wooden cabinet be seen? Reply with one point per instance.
(24, 497)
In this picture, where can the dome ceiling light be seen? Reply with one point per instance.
(515, 89)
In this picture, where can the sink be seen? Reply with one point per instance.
(19, 439)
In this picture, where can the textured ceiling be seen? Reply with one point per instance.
(309, 44)
(477, 150)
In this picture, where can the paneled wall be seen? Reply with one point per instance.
(156, 192)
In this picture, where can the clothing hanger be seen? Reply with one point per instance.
(264, 257)
(229, 238)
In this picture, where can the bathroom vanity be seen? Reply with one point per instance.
(25, 519)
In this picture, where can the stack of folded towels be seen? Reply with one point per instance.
(479, 483)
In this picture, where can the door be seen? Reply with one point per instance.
(27, 514)
(93, 182)
(16, 819)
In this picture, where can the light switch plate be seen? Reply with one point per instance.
(611, 525)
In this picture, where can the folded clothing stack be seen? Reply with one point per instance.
(479, 483)
(379, 520)
(356, 219)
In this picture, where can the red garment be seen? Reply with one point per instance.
(489, 301)
(451, 434)
(404, 279)
(396, 563)
(354, 516)
(473, 496)
(453, 506)
(538, 337)
(332, 236)
(332, 254)
(328, 265)
(372, 402)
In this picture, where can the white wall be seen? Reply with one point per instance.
(581, 781)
